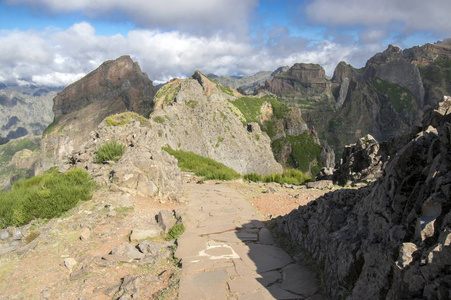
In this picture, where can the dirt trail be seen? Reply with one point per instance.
(227, 253)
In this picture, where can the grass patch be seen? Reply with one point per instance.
(250, 108)
(202, 166)
(175, 232)
(44, 197)
(400, 97)
(111, 150)
(289, 176)
(125, 118)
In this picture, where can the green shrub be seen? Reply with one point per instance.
(175, 232)
(202, 166)
(158, 119)
(45, 196)
(111, 150)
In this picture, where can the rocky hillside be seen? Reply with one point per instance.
(385, 98)
(24, 111)
(196, 115)
(389, 240)
(116, 86)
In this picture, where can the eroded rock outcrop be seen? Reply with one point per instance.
(389, 240)
(114, 87)
(144, 169)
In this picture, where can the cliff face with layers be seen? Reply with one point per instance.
(116, 86)
(389, 240)
(385, 98)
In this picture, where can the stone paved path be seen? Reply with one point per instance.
(227, 253)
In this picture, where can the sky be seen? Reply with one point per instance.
(54, 42)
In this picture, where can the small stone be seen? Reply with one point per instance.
(141, 234)
(4, 235)
(127, 250)
(17, 235)
(112, 213)
(85, 234)
(148, 247)
(69, 263)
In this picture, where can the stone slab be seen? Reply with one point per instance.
(207, 285)
(300, 280)
(189, 245)
(262, 258)
(265, 237)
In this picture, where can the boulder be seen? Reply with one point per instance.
(166, 220)
(127, 250)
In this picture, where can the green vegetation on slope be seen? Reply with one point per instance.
(8, 150)
(202, 166)
(45, 196)
(289, 176)
(305, 154)
(400, 97)
(125, 118)
(168, 92)
(111, 150)
(250, 108)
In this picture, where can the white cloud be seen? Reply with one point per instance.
(197, 15)
(407, 15)
(59, 57)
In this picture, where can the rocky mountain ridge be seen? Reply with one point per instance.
(116, 86)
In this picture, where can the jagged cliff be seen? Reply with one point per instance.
(385, 98)
(389, 240)
(114, 87)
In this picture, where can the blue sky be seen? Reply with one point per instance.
(54, 42)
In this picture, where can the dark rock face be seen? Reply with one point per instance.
(363, 161)
(6, 101)
(19, 132)
(389, 240)
(11, 122)
(115, 80)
